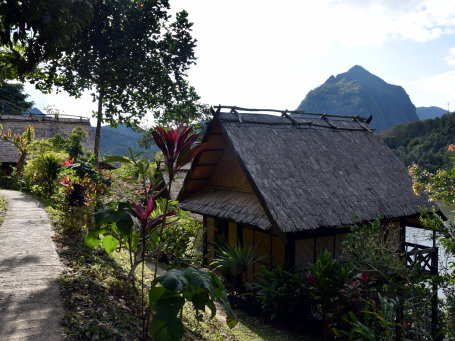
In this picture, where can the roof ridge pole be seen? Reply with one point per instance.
(285, 114)
(234, 111)
(357, 119)
(331, 125)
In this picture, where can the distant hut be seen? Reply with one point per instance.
(291, 186)
(45, 127)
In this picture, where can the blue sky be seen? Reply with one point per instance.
(263, 53)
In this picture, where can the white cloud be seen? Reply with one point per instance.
(434, 90)
(450, 59)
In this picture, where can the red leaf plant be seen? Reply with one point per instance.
(178, 146)
(148, 223)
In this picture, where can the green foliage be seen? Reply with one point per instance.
(72, 144)
(83, 184)
(372, 248)
(379, 322)
(33, 32)
(133, 60)
(117, 229)
(2, 209)
(182, 236)
(327, 278)
(423, 142)
(234, 261)
(370, 251)
(137, 167)
(13, 99)
(42, 172)
(176, 286)
(282, 294)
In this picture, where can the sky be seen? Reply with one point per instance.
(270, 54)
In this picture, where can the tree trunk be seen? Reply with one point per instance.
(99, 119)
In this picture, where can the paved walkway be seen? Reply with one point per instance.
(30, 307)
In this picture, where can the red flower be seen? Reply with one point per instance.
(67, 162)
(66, 181)
(177, 146)
(451, 147)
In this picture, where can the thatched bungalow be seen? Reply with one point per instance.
(45, 127)
(292, 185)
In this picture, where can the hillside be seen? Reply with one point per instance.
(423, 142)
(426, 113)
(115, 141)
(358, 92)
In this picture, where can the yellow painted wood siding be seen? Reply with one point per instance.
(232, 234)
(210, 238)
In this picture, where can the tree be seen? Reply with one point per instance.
(133, 60)
(13, 99)
(36, 31)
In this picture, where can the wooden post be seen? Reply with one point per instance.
(434, 298)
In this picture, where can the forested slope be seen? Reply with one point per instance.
(423, 142)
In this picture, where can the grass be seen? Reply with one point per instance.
(2, 209)
(100, 305)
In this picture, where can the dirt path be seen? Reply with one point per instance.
(30, 307)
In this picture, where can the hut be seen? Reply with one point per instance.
(45, 127)
(291, 185)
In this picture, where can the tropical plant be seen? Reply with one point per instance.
(234, 262)
(378, 322)
(71, 144)
(326, 278)
(282, 294)
(43, 171)
(22, 142)
(171, 290)
(83, 184)
(179, 148)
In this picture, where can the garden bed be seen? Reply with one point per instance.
(99, 305)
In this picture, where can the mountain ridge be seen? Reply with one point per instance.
(359, 92)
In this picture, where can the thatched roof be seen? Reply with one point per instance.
(308, 173)
(45, 127)
(241, 207)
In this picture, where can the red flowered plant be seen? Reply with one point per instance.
(67, 162)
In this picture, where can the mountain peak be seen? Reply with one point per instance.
(359, 92)
(357, 68)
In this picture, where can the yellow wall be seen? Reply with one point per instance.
(270, 248)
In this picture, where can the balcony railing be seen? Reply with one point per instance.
(424, 257)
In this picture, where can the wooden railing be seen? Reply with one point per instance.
(424, 257)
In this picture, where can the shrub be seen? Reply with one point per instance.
(43, 172)
(233, 262)
(282, 294)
